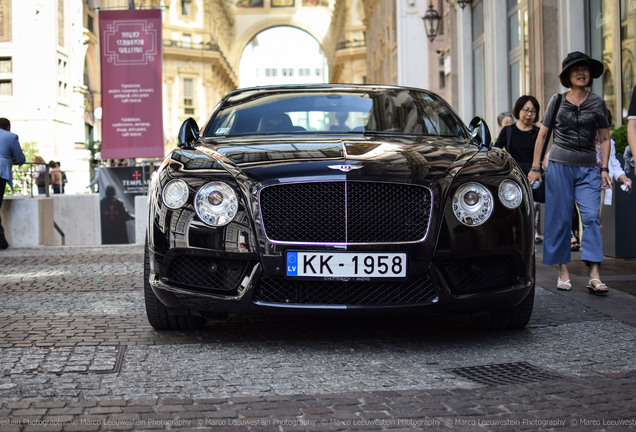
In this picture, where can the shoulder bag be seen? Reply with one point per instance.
(538, 194)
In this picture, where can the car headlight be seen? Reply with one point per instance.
(175, 194)
(472, 204)
(216, 203)
(510, 194)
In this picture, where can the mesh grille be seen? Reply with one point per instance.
(479, 273)
(205, 273)
(345, 212)
(505, 373)
(413, 291)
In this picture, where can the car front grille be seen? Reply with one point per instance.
(345, 212)
(419, 290)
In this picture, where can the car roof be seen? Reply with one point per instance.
(339, 86)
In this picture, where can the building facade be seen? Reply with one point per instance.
(50, 84)
(490, 52)
(44, 90)
(348, 61)
(508, 48)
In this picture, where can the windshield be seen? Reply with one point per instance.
(334, 111)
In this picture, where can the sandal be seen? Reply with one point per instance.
(564, 285)
(596, 289)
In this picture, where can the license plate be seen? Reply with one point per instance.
(346, 264)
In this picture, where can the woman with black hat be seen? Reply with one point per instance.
(573, 174)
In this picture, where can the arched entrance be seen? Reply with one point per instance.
(283, 55)
(253, 17)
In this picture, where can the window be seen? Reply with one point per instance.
(5, 21)
(90, 23)
(188, 96)
(627, 20)
(271, 72)
(62, 81)
(518, 49)
(61, 90)
(288, 72)
(60, 23)
(478, 59)
(186, 7)
(6, 65)
(6, 88)
(186, 40)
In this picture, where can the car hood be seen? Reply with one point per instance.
(394, 158)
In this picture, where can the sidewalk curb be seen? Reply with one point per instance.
(616, 304)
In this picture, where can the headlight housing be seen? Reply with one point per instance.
(472, 204)
(510, 194)
(216, 204)
(175, 194)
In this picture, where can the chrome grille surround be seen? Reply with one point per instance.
(345, 212)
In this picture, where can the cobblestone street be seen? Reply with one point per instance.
(77, 353)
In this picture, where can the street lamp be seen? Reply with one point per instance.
(432, 21)
(462, 3)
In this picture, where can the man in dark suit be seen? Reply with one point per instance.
(10, 154)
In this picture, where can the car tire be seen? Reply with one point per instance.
(512, 318)
(159, 316)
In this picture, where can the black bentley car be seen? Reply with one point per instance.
(338, 199)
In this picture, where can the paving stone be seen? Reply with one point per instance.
(77, 346)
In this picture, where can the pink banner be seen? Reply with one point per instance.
(131, 83)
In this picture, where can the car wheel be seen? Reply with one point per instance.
(513, 318)
(159, 316)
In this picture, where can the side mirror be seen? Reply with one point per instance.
(479, 132)
(188, 133)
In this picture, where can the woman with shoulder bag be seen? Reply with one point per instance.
(40, 174)
(573, 174)
(518, 139)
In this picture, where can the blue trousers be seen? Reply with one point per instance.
(3, 185)
(565, 185)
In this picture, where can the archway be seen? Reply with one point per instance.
(282, 55)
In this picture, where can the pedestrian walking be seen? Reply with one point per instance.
(40, 174)
(10, 154)
(503, 119)
(518, 139)
(97, 170)
(56, 177)
(631, 124)
(573, 175)
(616, 173)
(64, 179)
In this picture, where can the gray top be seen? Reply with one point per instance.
(575, 130)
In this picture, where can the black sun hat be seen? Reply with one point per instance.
(576, 57)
